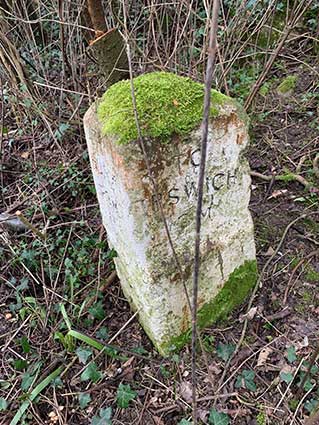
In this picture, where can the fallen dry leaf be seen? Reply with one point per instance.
(128, 362)
(250, 315)
(304, 343)
(236, 412)
(270, 251)
(153, 401)
(287, 369)
(53, 417)
(278, 193)
(186, 391)
(202, 414)
(157, 420)
(25, 155)
(263, 356)
(213, 368)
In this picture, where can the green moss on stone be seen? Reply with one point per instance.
(167, 104)
(287, 85)
(231, 295)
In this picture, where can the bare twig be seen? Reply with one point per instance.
(30, 226)
(123, 327)
(285, 177)
(208, 86)
(316, 165)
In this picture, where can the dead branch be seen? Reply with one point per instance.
(12, 64)
(96, 13)
(316, 165)
(285, 177)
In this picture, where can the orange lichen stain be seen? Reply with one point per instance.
(140, 166)
(209, 245)
(95, 166)
(117, 160)
(200, 301)
(176, 277)
(240, 139)
(185, 318)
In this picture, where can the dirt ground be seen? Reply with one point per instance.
(53, 187)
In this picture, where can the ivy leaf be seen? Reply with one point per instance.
(184, 422)
(224, 351)
(311, 405)
(57, 382)
(139, 350)
(175, 358)
(3, 404)
(59, 133)
(246, 380)
(291, 354)
(124, 395)
(25, 344)
(91, 373)
(27, 380)
(20, 364)
(313, 370)
(24, 284)
(84, 400)
(286, 377)
(102, 333)
(165, 373)
(83, 354)
(103, 418)
(308, 385)
(218, 418)
(98, 311)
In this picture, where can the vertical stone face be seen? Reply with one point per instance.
(135, 229)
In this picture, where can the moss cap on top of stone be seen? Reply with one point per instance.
(167, 104)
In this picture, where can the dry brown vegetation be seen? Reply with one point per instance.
(56, 271)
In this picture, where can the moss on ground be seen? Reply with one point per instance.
(167, 104)
(311, 225)
(312, 275)
(232, 294)
(287, 85)
(288, 177)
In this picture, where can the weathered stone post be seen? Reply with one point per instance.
(170, 112)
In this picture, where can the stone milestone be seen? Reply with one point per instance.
(170, 111)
